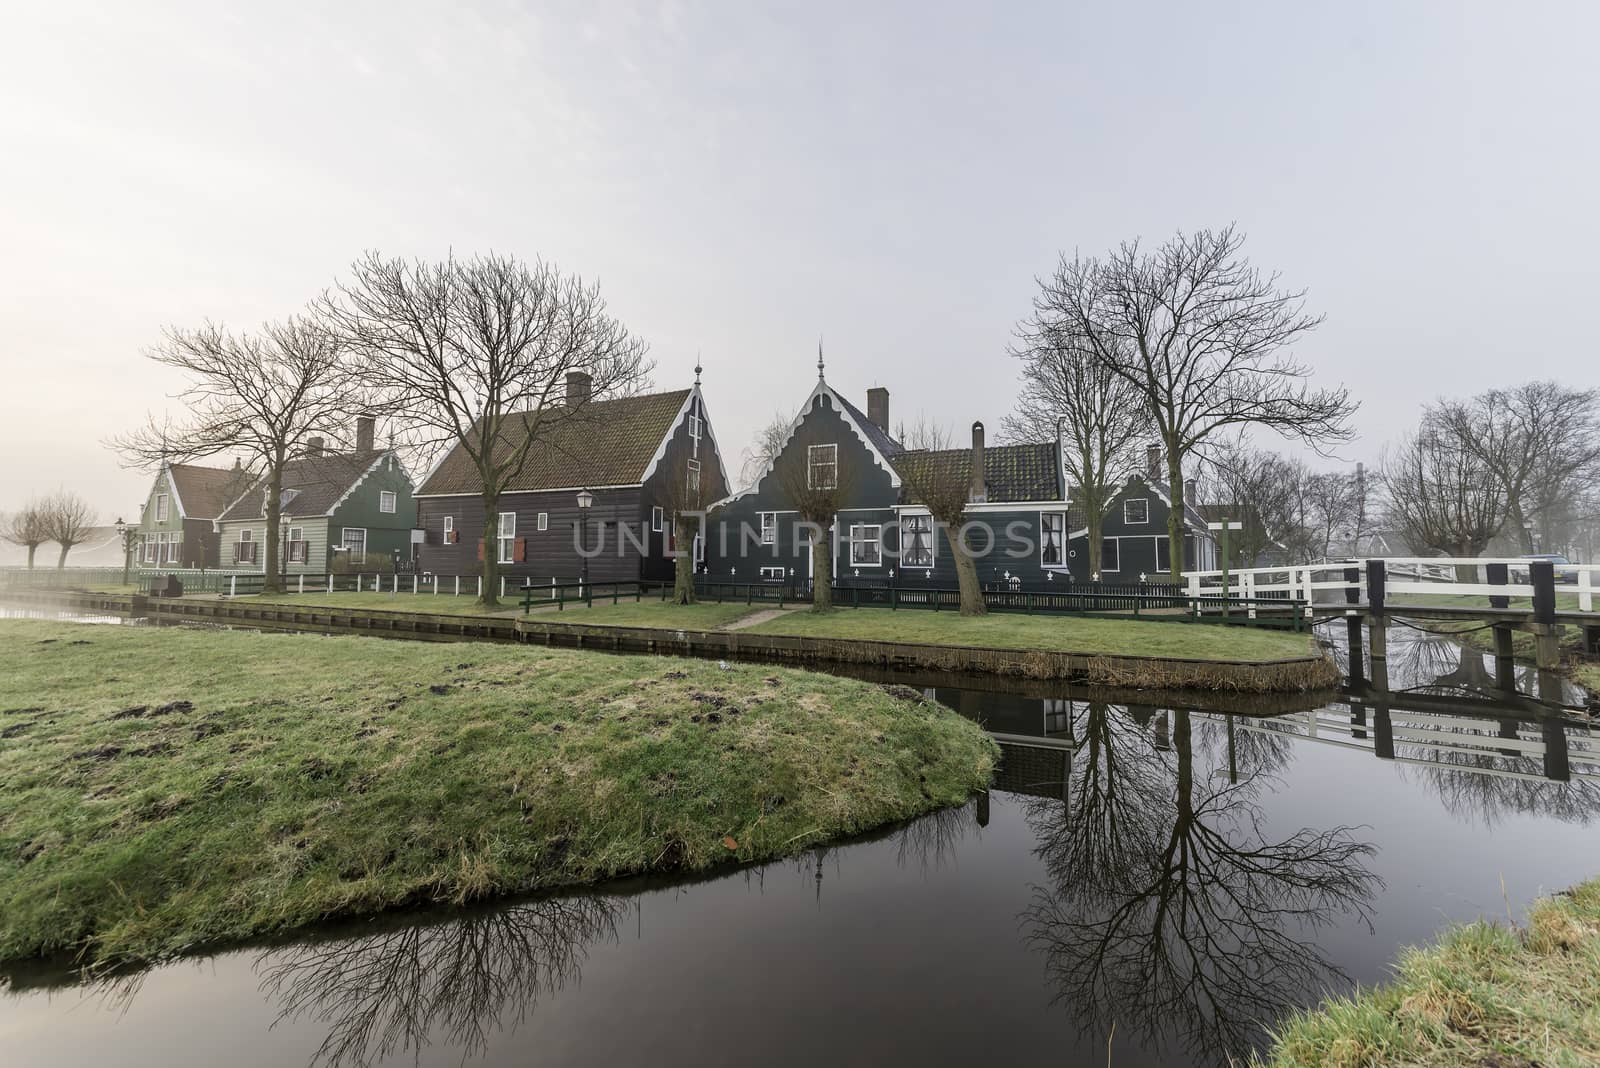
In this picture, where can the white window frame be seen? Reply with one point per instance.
(296, 536)
(774, 573)
(694, 432)
(1110, 541)
(175, 547)
(248, 537)
(831, 464)
(859, 538)
(1159, 538)
(543, 521)
(1046, 518)
(161, 508)
(658, 519)
(388, 500)
(449, 529)
(1127, 520)
(344, 538)
(769, 527)
(505, 540)
(694, 476)
(933, 540)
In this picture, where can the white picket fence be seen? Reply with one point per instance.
(1325, 584)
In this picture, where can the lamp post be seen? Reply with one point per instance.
(126, 534)
(585, 502)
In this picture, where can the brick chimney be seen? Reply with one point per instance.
(578, 386)
(1152, 463)
(977, 489)
(313, 448)
(1191, 492)
(366, 433)
(878, 407)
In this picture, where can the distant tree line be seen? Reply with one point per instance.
(63, 518)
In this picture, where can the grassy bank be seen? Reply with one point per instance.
(163, 789)
(1484, 995)
(1575, 663)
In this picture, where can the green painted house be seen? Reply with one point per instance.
(177, 528)
(339, 512)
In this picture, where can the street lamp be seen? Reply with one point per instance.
(585, 502)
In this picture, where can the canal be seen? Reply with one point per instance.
(1153, 883)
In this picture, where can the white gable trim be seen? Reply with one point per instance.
(172, 483)
(672, 429)
(350, 489)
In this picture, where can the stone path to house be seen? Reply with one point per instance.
(757, 617)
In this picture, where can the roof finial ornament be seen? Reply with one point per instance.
(819, 360)
(697, 367)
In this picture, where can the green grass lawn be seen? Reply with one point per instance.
(166, 788)
(1484, 995)
(1197, 641)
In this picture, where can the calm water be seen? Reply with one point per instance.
(1160, 881)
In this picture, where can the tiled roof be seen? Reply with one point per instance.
(607, 443)
(206, 491)
(879, 437)
(311, 485)
(1010, 472)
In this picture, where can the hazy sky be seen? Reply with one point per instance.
(742, 177)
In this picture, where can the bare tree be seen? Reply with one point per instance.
(68, 519)
(759, 456)
(476, 354)
(1440, 493)
(264, 395)
(1070, 396)
(688, 494)
(941, 479)
(26, 527)
(1201, 334)
(1335, 513)
(819, 490)
(1539, 440)
(1258, 485)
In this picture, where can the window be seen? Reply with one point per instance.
(297, 545)
(694, 432)
(822, 467)
(1163, 554)
(354, 540)
(1136, 511)
(245, 551)
(449, 529)
(866, 547)
(769, 528)
(658, 519)
(506, 538)
(161, 508)
(694, 476)
(1111, 554)
(386, 501)
(773, 573)
(544, 520)
(175, 548)
(916, 539)
(1052, 539)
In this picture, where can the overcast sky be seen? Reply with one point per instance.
(744, 177)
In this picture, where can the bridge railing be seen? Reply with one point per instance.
(1433, 576)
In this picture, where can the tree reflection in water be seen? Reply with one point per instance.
(455, 982)
(1168, 907)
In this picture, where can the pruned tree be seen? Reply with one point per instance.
(758, 457)
(819, 488)
(26, 527)
(262, 396)
(688, 495)
(1070, 396)
(1541, 443)
(941, 479)
(1200, 334)
(68, 519)
(1440, 494)
(475, 354)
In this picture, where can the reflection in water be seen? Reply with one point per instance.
(1168, 907)
(453, 983)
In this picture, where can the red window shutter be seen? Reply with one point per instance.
(520, 551)
(480, 549)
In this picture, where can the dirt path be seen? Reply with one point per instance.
(757, 617)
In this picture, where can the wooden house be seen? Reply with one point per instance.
(177, 528)
(636, 456)
(338, 512)
(1134, 539)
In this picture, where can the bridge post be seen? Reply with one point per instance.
(1352, 589)
(1547, 636)
(1591, 638)
(1505, 662)
(1358, 666)
(1377, 625)
(1383, 733)
(1555, 750)
(1497, 575)
(1358, 720)
(983, 808)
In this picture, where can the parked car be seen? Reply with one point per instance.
(1565, 571)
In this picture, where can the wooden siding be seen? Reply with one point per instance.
(315, 532)
(551, 553)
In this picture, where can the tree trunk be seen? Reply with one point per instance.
(61, 561)
(1095, 520)
(490, 568)
(1175, 513)
(683, 532)
(967, 576)
(822, 572)
(31, 550)
(271, 580)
